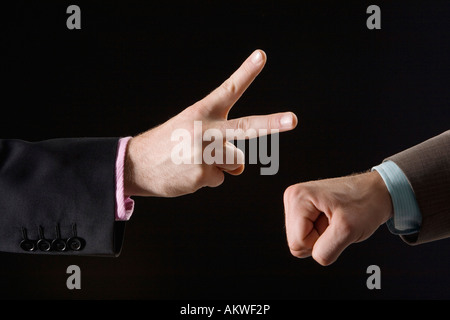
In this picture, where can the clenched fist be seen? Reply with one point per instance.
(324, 217)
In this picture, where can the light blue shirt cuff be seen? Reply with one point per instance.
(407, 217)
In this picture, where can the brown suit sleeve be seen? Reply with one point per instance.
(427, 167)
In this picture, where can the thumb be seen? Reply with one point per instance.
(331, 243)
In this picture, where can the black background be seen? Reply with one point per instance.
(360, 95)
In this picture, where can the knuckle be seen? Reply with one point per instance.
(345, 229)
(295, 243)
(272, 123)
(296, 247)
(216, 178)
(208, 176)
(198, 175)
(243, 124)
(295, 193)
(220, 178)
(300, 253)
(229, 87)
(321, 259)
(289, 193)
(296, 253)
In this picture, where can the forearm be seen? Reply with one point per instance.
(62, 183)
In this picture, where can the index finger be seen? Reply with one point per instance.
(225, 96)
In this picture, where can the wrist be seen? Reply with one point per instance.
(379, 188)
(131, 170)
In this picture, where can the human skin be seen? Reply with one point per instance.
(149, 169)
(324, 217)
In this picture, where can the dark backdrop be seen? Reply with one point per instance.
(360, 95)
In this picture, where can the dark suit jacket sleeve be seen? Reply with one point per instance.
(427, 167)
(61, 189)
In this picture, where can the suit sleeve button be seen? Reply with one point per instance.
(75, 243)
(59, 245)
(28, 245)
(44, 245)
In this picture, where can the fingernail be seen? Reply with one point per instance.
(286, 121)
(257, 57)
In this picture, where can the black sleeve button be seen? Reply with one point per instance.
(75, 243)
(59, 245)
(44, 245)
(28, 245)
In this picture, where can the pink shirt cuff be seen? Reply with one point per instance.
(124, 204)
